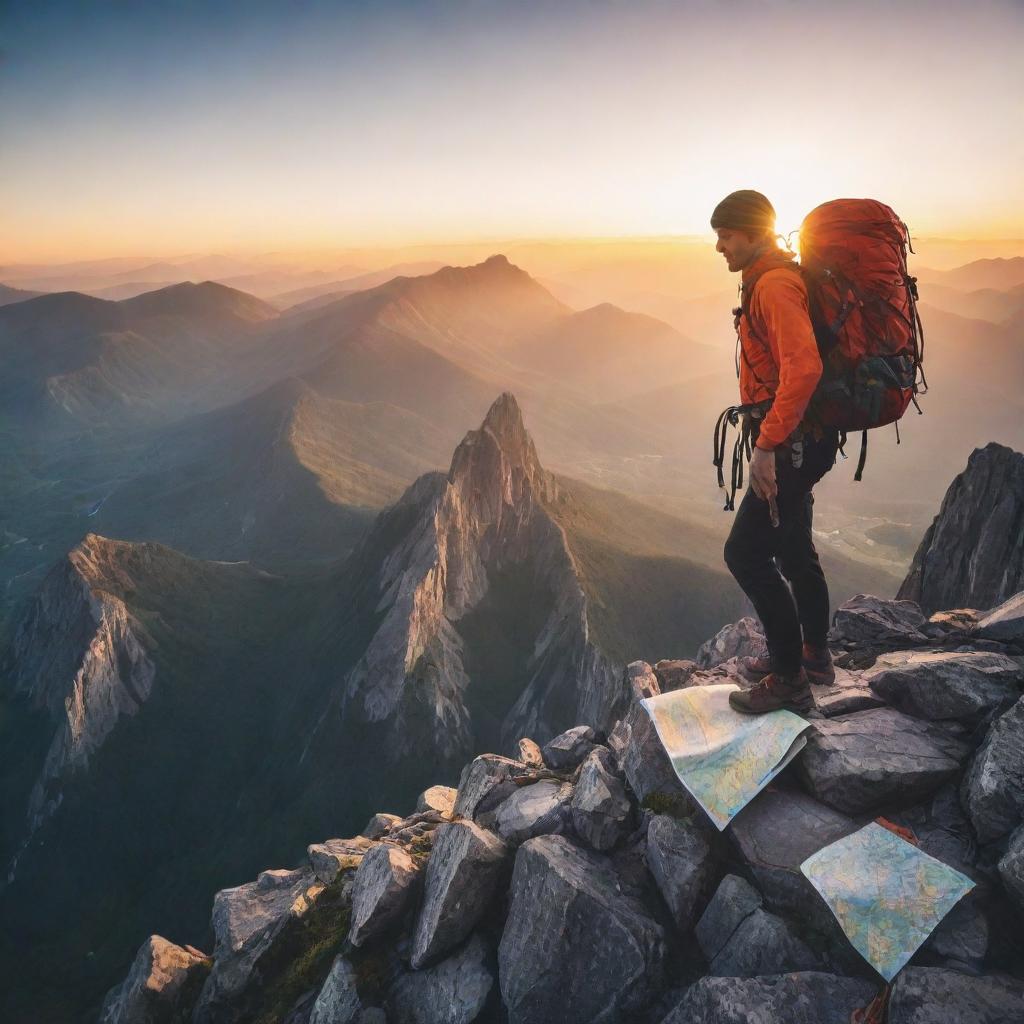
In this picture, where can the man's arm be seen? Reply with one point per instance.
(782, 301)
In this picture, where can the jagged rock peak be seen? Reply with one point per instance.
(971, 555)
(502, 446)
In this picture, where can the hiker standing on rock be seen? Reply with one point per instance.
(780, 369)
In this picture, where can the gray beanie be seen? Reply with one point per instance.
(745, 210)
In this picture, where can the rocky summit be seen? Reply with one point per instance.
(579, 883)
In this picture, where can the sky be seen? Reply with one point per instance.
(176, 127)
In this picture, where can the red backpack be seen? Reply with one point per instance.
(863, 307)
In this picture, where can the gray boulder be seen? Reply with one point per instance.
(455, 991)
(465, 868)
(736, 640)
(381, 891)
(1011, 868)
(569, 748)
(961, 937)
(641, 680)
(993, 789)
(866, 620)
(160, 984)
(674, 674)
(801, 998)
(379, 825)
(482, 776)
(246, 919)
(1005, 622)
(530, 753)
(942, 829)
(437, 798)
(740, 939)
(763, 944)
(537, 810)
(930, 995)
(338, 1001)
(858, 762)
(946, 684)
(642, 759)
(334, 855)
(600, 809)
(564, 900)
(680, 860)
(734, 901)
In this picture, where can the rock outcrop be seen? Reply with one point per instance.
(80, 656)
(432, 558)
(581, 883)
(972, 554)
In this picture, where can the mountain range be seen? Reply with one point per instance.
(254, 554)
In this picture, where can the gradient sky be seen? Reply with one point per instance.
(172, 127)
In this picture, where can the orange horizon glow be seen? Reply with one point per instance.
(211, 128)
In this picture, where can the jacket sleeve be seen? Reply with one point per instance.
(781, 299)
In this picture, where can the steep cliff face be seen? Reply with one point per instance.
(80, 657)
(972, 553)
(436, 560)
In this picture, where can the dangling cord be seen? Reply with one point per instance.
(863, 454)
(730, 415)
(896, 424)
(842, 444)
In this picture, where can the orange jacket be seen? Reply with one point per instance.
(790, 367)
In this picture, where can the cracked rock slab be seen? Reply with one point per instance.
(775, 834)
(871, 758)
(734, 901)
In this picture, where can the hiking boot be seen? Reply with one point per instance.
(817, 662)
(773, 693)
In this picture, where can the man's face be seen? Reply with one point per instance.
(737, 248)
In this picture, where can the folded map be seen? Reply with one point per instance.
(722, 757)
(887, 895)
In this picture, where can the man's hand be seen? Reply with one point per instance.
(762, 479)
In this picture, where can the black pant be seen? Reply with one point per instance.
(755, 546)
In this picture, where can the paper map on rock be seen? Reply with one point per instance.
(887, 895)
(722, 757)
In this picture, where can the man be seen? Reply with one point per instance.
(781, 365)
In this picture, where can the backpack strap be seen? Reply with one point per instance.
(741, 449)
